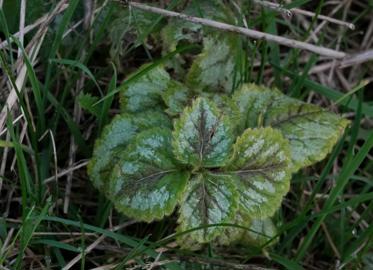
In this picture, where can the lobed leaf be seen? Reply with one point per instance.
(228, 106)
(233, 234)
(115, 138)
(145, 183)
(311, 130)
(254, 232)
(144, 93)
(261, 169)
(178, 31)
(209, 200)
(126, 22)
(261, 231)
(215, 68)
(202, 135)
(176, 97)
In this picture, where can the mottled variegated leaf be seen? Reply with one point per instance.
(226, 105)
(215, 69)
(255, 232)
(145, 183)
(261, 231)
(210, 199)
(202, 135)
(252, 100)
(261, 166)
(115, 138)
(178, 30)
(186, 241)
(235, 233)
(144, 92)
(176, 97)
(311, 130)
(121, 25)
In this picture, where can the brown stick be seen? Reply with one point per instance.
(244, 31)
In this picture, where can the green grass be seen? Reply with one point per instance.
(325, 221)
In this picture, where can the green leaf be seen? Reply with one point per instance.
(79, 65)
(311, 130)
(211, 9)
(261, 231)
(115, 138)
(145, 183)
(233, 234)
(287, 263)
(127, 22)
(177, 31)
(145, 92)
(215, 68)
(254, 232)
(202, 136)
(57, 244)
(87, 101)
(228, 106)
(209, 200)
(252, 101)
(261, 166)
(176, 97)
(186, 241)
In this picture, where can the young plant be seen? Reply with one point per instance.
(217, 158)
(216, 149)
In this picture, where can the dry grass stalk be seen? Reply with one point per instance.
(73, 147)
(95, 243)
(32, 50)
(307, 13)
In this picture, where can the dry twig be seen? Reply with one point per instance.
(357, 59)
(66, 171)
(307, 13)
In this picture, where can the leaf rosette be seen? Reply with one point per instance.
(219, 152)
(217, 159)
